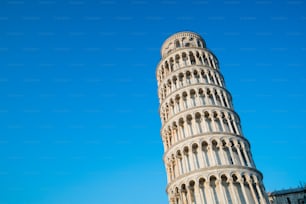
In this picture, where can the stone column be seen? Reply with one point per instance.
(221, 122)
(172, 200)
(212, 160)
(233, 191)
(229, 123)
(181, 103)
(246, 156)
(188, 128)
(219, 80)
(201, 158)
(207, 189)
(176, 167)
(189, 195)
(227, 101)
(197, 62)
(220, 96)
(184, 164)
(184, 129)
(188, 60)
(213, 123)
(202, 194)
(215, 80)
(207, 58)
(223, 157)
(214, 97)
(207, 77)
(249, 181)
(165, 143)
(221, 195)
(171, 87)
(231, 153)
(226, 155)
(176, 134)
(239, 153)
(197, 194)
(195, 159)
(194, 127)
(171, 133)
(178, 159)
(198, 99)
(199, 125)
(191, 161)
(261, 196)
(184, 198)
(168, 174)
(237, 130)
(246, 198)
(213, 62)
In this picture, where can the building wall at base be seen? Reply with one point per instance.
(290, 196)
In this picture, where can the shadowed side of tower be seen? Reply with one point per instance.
(207, 158)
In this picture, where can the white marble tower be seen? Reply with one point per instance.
(207, 158)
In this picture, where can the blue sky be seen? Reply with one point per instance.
(79, 116)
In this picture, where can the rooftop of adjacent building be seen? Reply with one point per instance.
(288, 191)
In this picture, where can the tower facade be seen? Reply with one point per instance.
(207, 158)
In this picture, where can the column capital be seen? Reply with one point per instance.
(249, 181)
(237, 146)
(172, 200)
(220, 146)
(218, 182)
(207, 184)
(230, 180)
(247, 177)
(240, 180)
(183, 190)
(256, 179)
(190, 187)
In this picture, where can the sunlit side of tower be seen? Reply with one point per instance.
(207, 158)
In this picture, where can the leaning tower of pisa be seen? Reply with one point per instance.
(207, 158)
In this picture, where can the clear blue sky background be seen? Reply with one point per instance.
(79, 116)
